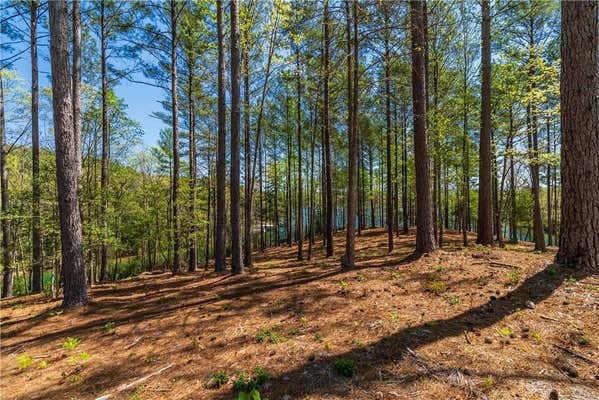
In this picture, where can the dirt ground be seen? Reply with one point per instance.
(461, 323)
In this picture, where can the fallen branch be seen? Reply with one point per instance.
(134, 342)
(575, 354)
(134, 383)
(502, 265)
(467, 338)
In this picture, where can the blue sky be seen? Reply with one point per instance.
(141, 99)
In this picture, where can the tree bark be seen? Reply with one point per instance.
(425, 237)
(193, 243)
(221, 172)
(388, 134)
(175, 116)
(327, 139)
(236, 259)
(484, 233)
(579, 237)
(300, 199)
(247, 151)
(36, 234)
(73, 267)
(349, 259)
(104, 174)
(6, 246)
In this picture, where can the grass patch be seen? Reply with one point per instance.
(345, 367)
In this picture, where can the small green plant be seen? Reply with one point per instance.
(344, 286)
(396, 275)
(437, 287)
(583, 340)
(357, 324)
(24, 361)
(268, 335)
(489, 381)
(345, 367)
(454, 300)
(571, 279)
(220, 378)
(394, 316)
(135, 396)
(74, 378)
(248, 387)
(71, 343)
(513, 277)
(304, 322)
(361, 278)
(42, 364)
(83, 356)
(432, 323)
(551, 270)
(293, 331)
(109, 328)
(55, 313)
(536, 336)
(505, 332)
(318, 337)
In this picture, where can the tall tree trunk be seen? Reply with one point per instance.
(327, 139)
(425, 237)
(484, 233)
(396, 171)
(404, 167)
(300, 204)
(73, 266)
(193, 243)
(533, 148)
(513, 219)
(247, 226)
(175, 116)
(105, 146)
(288, 180)
(36, 234)
(549, 222)
(221, 169)
(6, 246)
(236, 259)
(579, 241)
(276, 187)
(388, 134)
(311, 215)
(349, 259)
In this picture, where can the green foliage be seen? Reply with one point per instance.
(24, 361)
(537, 337)
(583, 340)
(344, 286)
(71, 343)
(269, 335)
(513, 276)
(345, 367)
(437, 287)
(220, 378)
(505, 332)
(42, 364)
(109, 328)
(489, 381)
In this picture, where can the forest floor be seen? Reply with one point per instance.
(456, 324)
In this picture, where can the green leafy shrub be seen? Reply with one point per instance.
(268, 335)
(24, 361)
(42, 364)
(345, 367)
(505, 332)
(220, 378)
(437, 287)
(513, 277)
(71, 343)
(344, 286)
(248, 387)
